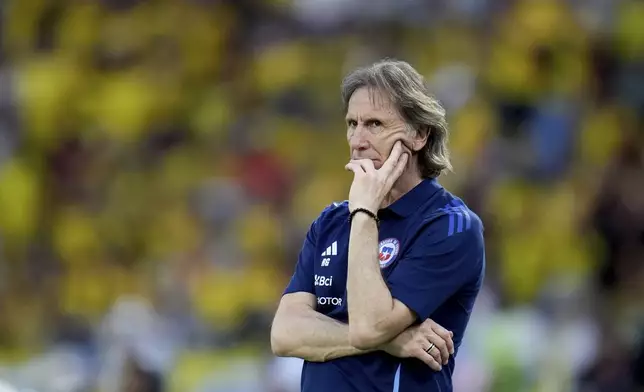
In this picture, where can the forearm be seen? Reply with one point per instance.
(312, 336)
(369, 299)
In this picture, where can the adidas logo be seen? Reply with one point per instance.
(332, 250)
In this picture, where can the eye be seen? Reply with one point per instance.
(352, 123)
(373, 123)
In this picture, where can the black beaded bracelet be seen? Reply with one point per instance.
(366, 211)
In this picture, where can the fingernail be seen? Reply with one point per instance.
(440, 368)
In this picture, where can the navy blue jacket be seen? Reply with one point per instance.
(432, 258)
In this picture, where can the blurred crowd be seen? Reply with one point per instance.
(161, 161)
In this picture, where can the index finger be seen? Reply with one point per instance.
(394, 156)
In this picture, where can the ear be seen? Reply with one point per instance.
(419, 140)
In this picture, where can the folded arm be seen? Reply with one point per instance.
(300, 331)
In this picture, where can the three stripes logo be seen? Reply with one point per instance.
(332, 250)
(459, 217)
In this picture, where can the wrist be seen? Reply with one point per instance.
(363, 216)
(366, 206)
(384, 346)
(389, 348)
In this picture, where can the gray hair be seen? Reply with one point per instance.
(422, 112)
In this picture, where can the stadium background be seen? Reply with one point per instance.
(160, 162)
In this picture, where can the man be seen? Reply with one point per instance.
(375, 270)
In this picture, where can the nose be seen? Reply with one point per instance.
(358, 140)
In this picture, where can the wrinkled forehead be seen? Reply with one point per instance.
(371, 101)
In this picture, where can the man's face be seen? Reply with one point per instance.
(374, 126)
